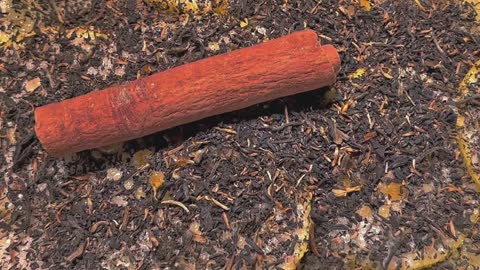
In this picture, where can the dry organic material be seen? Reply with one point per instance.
(288, 65)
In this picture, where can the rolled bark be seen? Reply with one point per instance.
(281, 67)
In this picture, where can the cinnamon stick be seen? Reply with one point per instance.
(285, 66)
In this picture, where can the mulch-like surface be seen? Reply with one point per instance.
(375, 156)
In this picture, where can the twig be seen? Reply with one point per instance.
(177, 203)
(437, 45)
(473, 100)
(279, 128)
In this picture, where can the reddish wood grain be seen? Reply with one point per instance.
(285, 66)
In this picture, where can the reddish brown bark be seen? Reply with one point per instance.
(215, 85)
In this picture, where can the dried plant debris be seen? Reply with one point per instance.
(373, 173)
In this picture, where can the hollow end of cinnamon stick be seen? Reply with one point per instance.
(223, 83)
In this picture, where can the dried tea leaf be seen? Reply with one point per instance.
(10, 136)
(395, 191)
(370, 135)
(302, 233)
(111, 149)
(176, 174)
(427, 188)
(197, 155)
(141, 158)
(227, 130)
(77, 252)
(422, 8)
(6, 207)
(156, 180)
(386, 74)
(349, 11)
(85, 33)
(182, 263)
(338, 135)
(33, 84)
(197, 234)
(452, 188)
(475, 217)
(474, 259)
(182, 161)
(346, 106)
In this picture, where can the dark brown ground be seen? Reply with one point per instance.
(394, 124)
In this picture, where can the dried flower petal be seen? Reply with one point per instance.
(197, 234)
(366, 5)
(128, 184)
(384, 211)
(358, 73)
(156, 179)
(395, 191)
(141, 158)
(139, 193)
(114, 174)
(365, 212)
(119, 201)
(33, 84)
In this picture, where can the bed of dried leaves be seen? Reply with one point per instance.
(368, 174)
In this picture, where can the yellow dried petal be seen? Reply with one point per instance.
(156, 179)
(366, 5)
(214, 46)
(395, 191)
(244, 23)
(141, 158)
(4, 37)
(33, 84)
(384, 211)
(358, 73)
(365, 212)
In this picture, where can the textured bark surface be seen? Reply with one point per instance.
(223, 83)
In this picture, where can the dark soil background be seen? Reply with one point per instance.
(235, 184)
